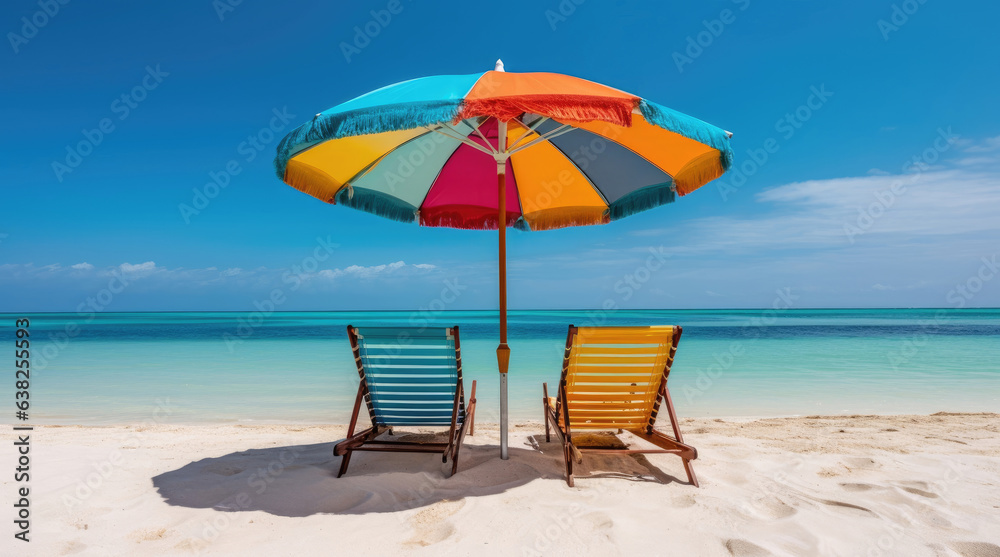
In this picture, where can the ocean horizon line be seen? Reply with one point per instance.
(970, 308)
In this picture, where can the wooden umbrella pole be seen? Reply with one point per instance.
(503, 351)
(502, 182)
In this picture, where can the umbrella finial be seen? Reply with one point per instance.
(499, 66)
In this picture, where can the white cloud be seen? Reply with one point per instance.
(924, 206)
(181, 278)
(916, 241)
(138, 270)
(359, 271)
(985, 146)
(977, 161)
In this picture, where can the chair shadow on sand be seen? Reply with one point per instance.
(301, 480)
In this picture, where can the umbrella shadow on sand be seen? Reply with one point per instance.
(301, 480)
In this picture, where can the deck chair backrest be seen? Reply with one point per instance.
(411, 374)
(613, 375)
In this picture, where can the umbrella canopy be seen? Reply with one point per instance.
(534, 151)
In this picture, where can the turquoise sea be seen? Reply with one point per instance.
(297, 366)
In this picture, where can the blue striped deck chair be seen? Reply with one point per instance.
(410, 377)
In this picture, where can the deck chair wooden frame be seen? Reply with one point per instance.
(616, 367)
(398, 385)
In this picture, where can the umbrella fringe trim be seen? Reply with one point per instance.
(377, 203)
(564, 217)
(689, 127)
(578, 108)
(644, 199)
(324, 127)
(698, 172)
(455, 219)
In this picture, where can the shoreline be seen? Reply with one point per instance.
(518, 423)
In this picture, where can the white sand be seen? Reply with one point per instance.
(897, 485)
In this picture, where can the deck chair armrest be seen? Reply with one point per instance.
(352, 442)
(668, 443)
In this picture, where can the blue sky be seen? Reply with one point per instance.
(881, 187)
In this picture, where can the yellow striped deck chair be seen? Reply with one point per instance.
(615, 378)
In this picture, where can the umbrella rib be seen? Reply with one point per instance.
(565, 128)
(475, 129)
(527, 130)
(464, 140)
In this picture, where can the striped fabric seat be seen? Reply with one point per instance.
(616, 378)
(409, 377)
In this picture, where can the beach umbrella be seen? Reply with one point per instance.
(533, 151)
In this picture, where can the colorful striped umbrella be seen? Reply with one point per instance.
(535, 151)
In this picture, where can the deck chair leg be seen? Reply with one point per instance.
(692, 479)
(690, 472)
(566, 434)
(458, 446)
(545, 411)
(470, 412)
(453, 431)
(344, 461)
(568, 455)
